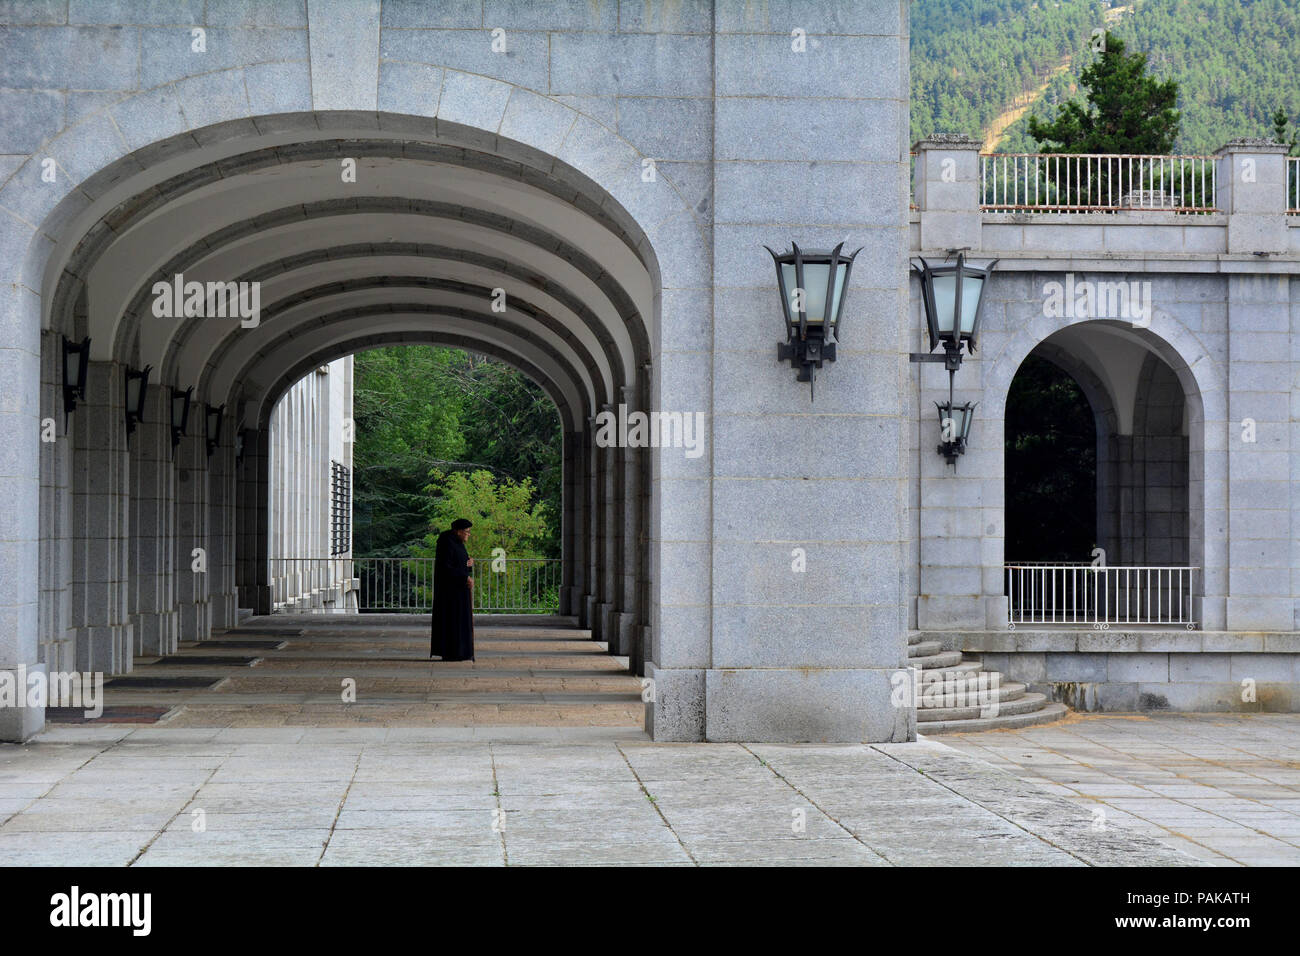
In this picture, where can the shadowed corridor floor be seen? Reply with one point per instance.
(530, 671)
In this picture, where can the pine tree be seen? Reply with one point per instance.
(1282, 132)
(1127, 111)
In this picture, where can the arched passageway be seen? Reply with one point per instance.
(232, 262)
(1104, 468)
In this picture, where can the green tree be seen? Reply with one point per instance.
(1126, 111)
(408, 415)
(1284, 133)
(512, 428)
(419, 408)
(504, 516)
(503, 512)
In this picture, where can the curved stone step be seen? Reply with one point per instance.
(1007, 690)
(1046, 715)
(1020, 704)
(924, 649)
(944, 659)
(956, 670)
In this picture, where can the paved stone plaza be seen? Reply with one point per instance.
(121, 795)
(534, 754)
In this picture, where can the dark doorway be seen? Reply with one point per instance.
(1051, 467)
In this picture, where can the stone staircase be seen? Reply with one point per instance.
(946, 670)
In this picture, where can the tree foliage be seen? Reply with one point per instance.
(421, 410)
(503, 513)
(1234, 61)
(1284, 132)
(1126, 110)
(970, 59)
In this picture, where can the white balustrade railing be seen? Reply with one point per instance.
(1293, 184)
(1100, 596)
(405, 585)
(1096, 182)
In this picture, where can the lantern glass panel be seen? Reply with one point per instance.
(972, 287)
(133, 392)
(945, 301)
(815, 276)
(841, 273)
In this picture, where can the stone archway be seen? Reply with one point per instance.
(1164, 354)
(606, 353)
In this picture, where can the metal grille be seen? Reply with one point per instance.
(340, 509)
(1100, 596)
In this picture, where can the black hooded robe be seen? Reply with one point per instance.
(453, 601)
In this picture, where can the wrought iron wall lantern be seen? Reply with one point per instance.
(215, 417)
(953, 297)
(137, 391)
(180, 413)
(76, 363)
(954, 428)
(813, 286)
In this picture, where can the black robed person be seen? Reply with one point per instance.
(453, 595)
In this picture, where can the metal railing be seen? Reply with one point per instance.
(1100, 596)
(1096, 182)
(1293, 184)
(312, 586)
(405, 585)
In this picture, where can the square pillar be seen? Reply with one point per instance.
(221, 531)
(1250, 186)
(100, 490)
(946, 187)
(156, 622)
(192, 587)
(807, 519)
(20, 485)
(1261, 470)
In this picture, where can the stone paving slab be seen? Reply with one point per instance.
(1224, 788)
(377, 796)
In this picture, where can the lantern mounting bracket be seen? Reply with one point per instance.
(951, 357)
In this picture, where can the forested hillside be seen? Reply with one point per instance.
(1235, 61)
